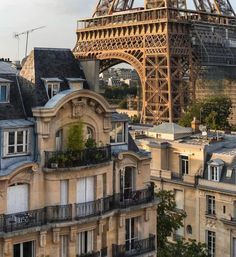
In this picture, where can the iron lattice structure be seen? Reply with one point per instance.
(165, 42)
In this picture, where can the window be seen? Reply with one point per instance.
(126, 182)
(234, 247)
(211, 242)
(26, 249)
(85, 242)
(213, 173)
(184, 165)
(16, 142)
(4, 93)
(118, 133)
(210, 205)
(59, 140)
(131, 233)
(53, 89)
(64, 246)
(179, 199)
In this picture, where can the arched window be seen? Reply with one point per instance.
(90, 133)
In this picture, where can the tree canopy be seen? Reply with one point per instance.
(214, 112)
(169, 219)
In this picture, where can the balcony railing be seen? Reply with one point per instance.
(63, 213)
(134, 248)
(22, 220)
(70, 159)
(90, 254)
(116, 201)
(59, 213)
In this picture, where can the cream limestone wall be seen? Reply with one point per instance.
(44, 184)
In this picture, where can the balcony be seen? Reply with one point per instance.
(229, 221)
(22, 220)
(70, 159)
(59, 213)
(134, 248)
(102, 253)
(63, 213)
(116, 201)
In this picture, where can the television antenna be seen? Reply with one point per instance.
(27, 32)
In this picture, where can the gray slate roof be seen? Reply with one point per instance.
(47, 63)
(7, 68)
(169, 128)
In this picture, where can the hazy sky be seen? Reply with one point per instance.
(59, 17)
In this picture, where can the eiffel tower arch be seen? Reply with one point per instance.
(159, 41)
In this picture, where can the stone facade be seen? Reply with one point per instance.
(201, 172)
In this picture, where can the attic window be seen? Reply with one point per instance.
(229, 172)
(4, 93)
(53, 89)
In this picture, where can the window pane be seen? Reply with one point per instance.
(20, 149)
(16, 250)
(28, 249)
(11, 138)
(20, 137)
(120, 132)
(3, 93)
(113, 133)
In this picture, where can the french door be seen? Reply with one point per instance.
(26, 249)
(127, 182)
(131, 233)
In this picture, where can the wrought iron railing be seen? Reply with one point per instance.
(63, 213)
(90, 254)
(70, 159)
(22, 220)
(134, 248)
(116, 201)
(59, 213)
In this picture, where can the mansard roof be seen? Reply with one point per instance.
(49, 63)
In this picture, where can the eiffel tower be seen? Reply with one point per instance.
(166, 43)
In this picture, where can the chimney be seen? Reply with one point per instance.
(195, 125)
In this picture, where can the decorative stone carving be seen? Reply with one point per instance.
(43, 239)
(78, 109)
(56, 235)
(45, 127)
(146, 216)
(122, 220)
(7, 246)
(73, 231)
(25, 176)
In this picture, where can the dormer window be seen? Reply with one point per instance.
(214, 169)
(52, 86)
(4, 93)
(53, 89)
(117, 134)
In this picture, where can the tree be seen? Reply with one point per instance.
(170, 219)
(76, 137)
(214, 112)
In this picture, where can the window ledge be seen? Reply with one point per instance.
(211, 216)
(16, 155)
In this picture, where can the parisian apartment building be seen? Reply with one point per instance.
(61, 198)
(200, 168)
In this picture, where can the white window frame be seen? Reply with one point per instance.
(7, 85)
(81, 248)
(64, 246)
(213, 173)
(211, 204)
(124, 133)
(53, 91)
(25, 143)
(210, 235)
(135, 228)
(21, 248)
(184, 168)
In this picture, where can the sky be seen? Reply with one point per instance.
(59, 16)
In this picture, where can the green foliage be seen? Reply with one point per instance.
(184, 249)
(169, 220)
(213, 112)
(120, 92)
(123, 104)
(90, 143)
(76, 137)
